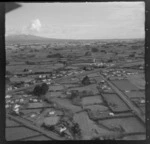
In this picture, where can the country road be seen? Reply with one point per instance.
(49, 134)
(126, 100)
(56, 80)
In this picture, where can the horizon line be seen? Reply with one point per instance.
(74, 38)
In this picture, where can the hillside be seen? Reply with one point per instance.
(32, 39)
(23, 39)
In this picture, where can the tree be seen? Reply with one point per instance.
(116, 53)
(103, 51)
(57, 55)
(88, 53)
(76, 100)
(109, 60)
(95, 50)
(84, 93)
(74, 94)
(76, 129)
(40, 90)
(37, 90)
(44, 88)
(86, 80)
(132, 55)
(29, 63)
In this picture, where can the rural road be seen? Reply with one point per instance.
(126, 100)
(131, 63)
(49, 134)
(60, 79)
(56, 80)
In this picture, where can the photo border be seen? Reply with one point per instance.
(147, 72)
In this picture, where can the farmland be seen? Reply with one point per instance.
(95, 89)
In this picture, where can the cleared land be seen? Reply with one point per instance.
(138, 80)
(130, 125)
(115, 103)
(89, 129)
(124, 85)
(91, 100)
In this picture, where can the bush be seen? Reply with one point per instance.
(95, 50)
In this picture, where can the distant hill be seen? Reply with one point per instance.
(22, 39)
(32, 39)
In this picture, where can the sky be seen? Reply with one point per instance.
(96, 20)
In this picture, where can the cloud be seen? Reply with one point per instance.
(35, 25)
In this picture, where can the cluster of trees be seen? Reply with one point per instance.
(86, 93)
(74, 93)
(76, 129)
(103, 51)
(31, 55)
(57, 55)
(29, 63)
(18, 84)
(132, 55)
(135, 47)
(86, 80)
(40, 90)
(109, 60)
(88, 53)
(94, 50)
(75, 97)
